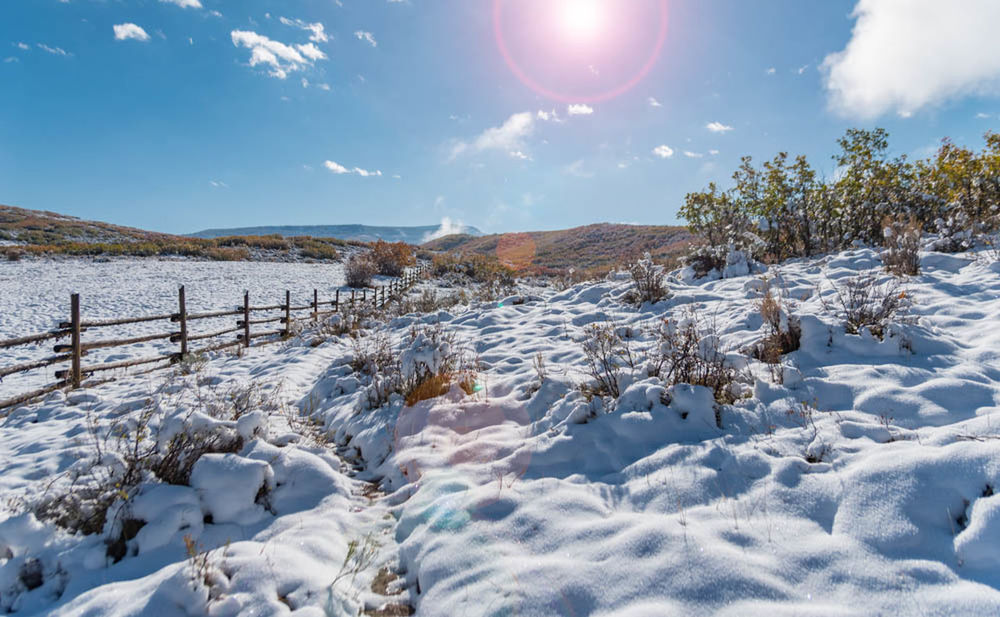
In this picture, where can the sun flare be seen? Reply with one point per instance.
(581, 20)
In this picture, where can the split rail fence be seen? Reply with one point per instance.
(247, 316)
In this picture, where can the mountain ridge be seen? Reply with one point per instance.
(364, 233)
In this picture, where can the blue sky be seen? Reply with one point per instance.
(179, 115)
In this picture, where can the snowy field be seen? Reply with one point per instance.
(35, 297)
(864, 484)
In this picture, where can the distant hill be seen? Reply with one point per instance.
(38, 227)
(361, 233)
(592, 246)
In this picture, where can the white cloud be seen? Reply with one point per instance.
(219, 184)
(280, 57)
(317, 30)
(22, 46)
(447, 228)
(10, 59)
(771, 71)
(713, 152)
(576, 169)
(718, 127)
(368, 37)
(56, 51)
(185, 4)
(664, 151)
(982, 116)
(508, 137)
(129, 31)
(339, 169)
(905, 56)
(579, 110)
(323, 87)
(802, 69)
(654, 103)
(693, 155)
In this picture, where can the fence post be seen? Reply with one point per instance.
(336, 301)
(352, 296)
(288, 313)
(246, 319)
(315, 305)
(383, 295)
(74, 324)
(182, 305)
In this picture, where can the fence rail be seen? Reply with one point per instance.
(77, 349)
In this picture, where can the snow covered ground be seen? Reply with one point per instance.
(35, 297)
(863, 484)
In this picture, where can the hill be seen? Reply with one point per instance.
(38, 232)
(360, 233)
(592, 246)
(38, 227)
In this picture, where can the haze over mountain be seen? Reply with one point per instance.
(362, 233)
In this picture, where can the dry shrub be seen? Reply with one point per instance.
(125, 453)
(690, 354)
(392, 258)
(359, 271)
(902, 244)
(648, 279)
(431, 387)
(784, 333)
(608, 355)
(861, 303)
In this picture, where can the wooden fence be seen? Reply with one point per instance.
(77, 349)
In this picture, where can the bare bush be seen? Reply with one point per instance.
(902, 244)
(648, 280)
(862, 303)
(125, 453)
(783, 331)
(690, 354)
(608, 355)
(359, 271)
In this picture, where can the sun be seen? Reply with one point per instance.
(581, 20)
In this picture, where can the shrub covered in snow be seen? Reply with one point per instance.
(902, 246)
(648, 280)
(689, 353)
(863, 304)
(359, 271)
(608, 355)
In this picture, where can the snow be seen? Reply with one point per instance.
(857, 480)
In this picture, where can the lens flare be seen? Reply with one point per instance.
(580, 51)
(581, 20)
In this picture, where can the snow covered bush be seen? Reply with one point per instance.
(954, 233)
(864, 304)
(783, 330)
(608, 356)
(426, 367)
(648, 280)
(902, 246)
(157, 444)
(687, 353)
(359, 270)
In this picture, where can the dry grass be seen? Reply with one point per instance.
(431, 387)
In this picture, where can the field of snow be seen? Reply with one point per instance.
(861, 485)
(35, 297)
